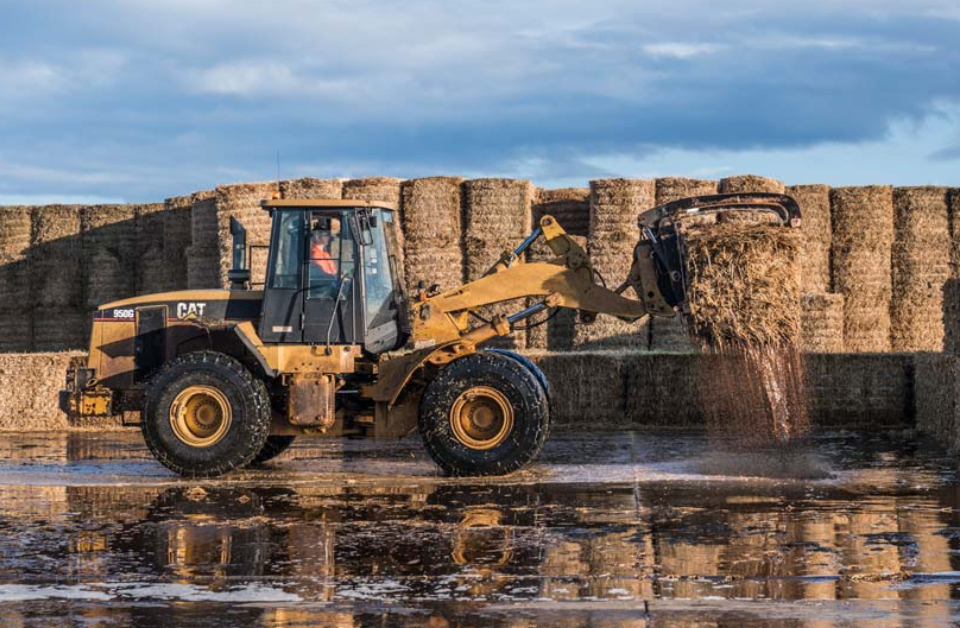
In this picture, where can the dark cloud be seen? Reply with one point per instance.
(141, 99)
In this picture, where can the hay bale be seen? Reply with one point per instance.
(64, 330)
(749, 183)
(921, 266)
(432, 220)
(177, 237)
(814, 202)
(311, 188)
(862, 223)
(16, 330)
(615, 205)
(373, 189)
(241, 201)
(821, 318)
(662, 389)
(497, 217)
(14, 233)
(29, 400)
(860, 390)
(570, 206)
(599, 392)
(55, 257)
(743, 285)
(203, 221)
(203, 268)
(936, 396)
(671, 189)
(151, 275)
(109, 240)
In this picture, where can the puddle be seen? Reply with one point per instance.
(620, 529)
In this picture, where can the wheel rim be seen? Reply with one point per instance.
(200, 416)
(481, 417)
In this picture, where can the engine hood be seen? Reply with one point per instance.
(239, 305)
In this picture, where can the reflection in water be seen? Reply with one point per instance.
(458, 554)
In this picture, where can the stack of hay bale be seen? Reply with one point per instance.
(744, 184)
(151, 275)
(497, 217)
(211, 256)
(614, 207)
(311, 188)
(433, 231)
(921, 268)
(373, 189)
(55, 260)
(109, 239)
(177, 238)
(571, 208)
(16, 324)
(862, 221)
(822, 310)
(670, 334)
(951, 305)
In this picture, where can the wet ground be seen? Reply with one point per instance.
(620, 530)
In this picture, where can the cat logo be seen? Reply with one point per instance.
(190, 310)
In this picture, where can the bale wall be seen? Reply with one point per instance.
(109, 242)
(614, 207)
(497, 217)
(814, 202)
(862, 222)
(951, 289)
(311, 188)
(55, 261)
(860, 390)
(177, 238)
(586, 388)
(821, 319)
(559, 331)
(921, 267)
(16, 320)
(432, 221)
(936, 403)
(240, 201)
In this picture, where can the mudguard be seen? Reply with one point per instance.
(528, 363)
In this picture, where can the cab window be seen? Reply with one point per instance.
(286, 251)
(331, 255)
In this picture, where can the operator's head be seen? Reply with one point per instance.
(320, 236)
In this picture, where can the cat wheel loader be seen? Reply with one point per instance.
(330, 345)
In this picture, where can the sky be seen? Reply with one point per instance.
(138, 100)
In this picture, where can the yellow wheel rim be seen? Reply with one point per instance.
(481, 418)
(200, 416)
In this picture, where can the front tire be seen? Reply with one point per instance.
(484, 414)
(205, 415)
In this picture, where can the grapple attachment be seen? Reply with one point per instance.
(658, 274)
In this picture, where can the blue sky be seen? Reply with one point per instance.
(137, 100)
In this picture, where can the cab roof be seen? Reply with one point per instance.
(345, 203)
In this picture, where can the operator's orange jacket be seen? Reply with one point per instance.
(320, 256)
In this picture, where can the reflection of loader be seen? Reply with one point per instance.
(227, 378)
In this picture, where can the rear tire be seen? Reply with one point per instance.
(484, 414)
(205, 415)
(274, 446)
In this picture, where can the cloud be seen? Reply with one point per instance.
(680, 50)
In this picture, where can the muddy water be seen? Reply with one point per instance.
(621, 530)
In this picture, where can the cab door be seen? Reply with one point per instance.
(281, 317)
(332, 312)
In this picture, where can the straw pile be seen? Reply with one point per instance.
(373, 189)
(814, 202)
(862, 222)
(744, 291)
(821, 320)
(921, 267)
(433, 229)
(497, 217)
(109, 240)
(16, 329)
(614, 207)
(749, 183)
(177, 238)
(151, 276)
(311, 188)
(55, 261)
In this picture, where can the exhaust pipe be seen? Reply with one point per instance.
(239, 275)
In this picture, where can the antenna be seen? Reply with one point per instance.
(279, 192)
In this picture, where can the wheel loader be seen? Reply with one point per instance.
(329, 344)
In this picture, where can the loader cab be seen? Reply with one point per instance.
(331, 275)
